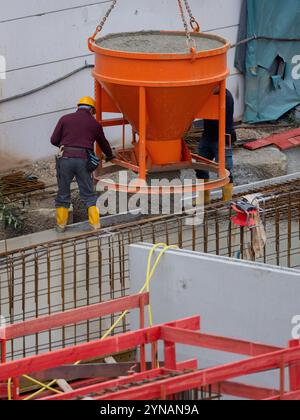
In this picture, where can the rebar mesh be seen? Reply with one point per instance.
(55, 277)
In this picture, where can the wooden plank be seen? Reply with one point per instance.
(289, 143)
(208, 376)
(64, 386)
(286, 140)
(84, 371)
(189, 364)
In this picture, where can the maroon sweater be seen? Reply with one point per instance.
(80, 130)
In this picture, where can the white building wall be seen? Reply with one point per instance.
(42, 40)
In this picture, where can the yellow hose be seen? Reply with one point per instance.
(44, 388)
(149, 275)
(9, 389)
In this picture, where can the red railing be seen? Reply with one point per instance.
(64, 319)
(261, 358)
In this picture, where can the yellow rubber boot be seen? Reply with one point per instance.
(207, 197)
(228, 192)
(94, 217)
(62, 216)
(206, 194)
(199, 199)
(203, 195)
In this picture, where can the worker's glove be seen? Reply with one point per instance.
(110, 158)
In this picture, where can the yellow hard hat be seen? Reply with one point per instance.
(88, 101)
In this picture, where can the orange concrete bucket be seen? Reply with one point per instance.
(161, 88)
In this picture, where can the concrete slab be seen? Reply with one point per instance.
(72, 232)
(40, 238)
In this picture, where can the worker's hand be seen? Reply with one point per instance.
(110, 158)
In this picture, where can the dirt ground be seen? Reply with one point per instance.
(44, 169)
(38, 209)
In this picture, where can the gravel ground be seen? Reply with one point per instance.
(38, 209)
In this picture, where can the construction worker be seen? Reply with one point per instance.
(209, 146)
(75, 135)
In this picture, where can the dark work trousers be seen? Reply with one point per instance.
(209, 149)
(67, 170)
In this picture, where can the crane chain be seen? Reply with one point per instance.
(190, 41)
(103, 21)
(193, 22)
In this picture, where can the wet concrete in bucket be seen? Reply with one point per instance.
(156, 43)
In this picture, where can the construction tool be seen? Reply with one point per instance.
(245, 214)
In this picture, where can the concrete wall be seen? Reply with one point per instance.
(44, 40)
(242, 300)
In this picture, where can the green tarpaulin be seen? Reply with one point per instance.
(272, 67)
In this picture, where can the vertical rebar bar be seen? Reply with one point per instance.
(36, 295)
(100, 278)
(277, 229)
(75, 285)
(289, 241)
(87, 283)
(62, 262)
(24, 297)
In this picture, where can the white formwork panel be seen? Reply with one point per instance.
(236, 299)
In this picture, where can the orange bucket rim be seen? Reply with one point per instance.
(161, 56)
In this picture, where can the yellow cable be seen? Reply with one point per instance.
(40, 390)
(56, 391)
(9, 389)
(149, 275)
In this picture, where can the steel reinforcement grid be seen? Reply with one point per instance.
(55, 277)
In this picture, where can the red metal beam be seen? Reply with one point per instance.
(195, 321)
(74, 316)
(3, 391)
(170, 355)
(229, 345)
(290, 396)
(294, 369)
(126, 165)
(87, 351)
(113, 122)
(206, 377)
(237, 389)
(190, 364)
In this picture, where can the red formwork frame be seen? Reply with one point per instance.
(259, 358)
(66, 318)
